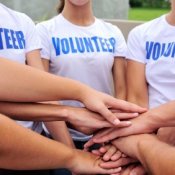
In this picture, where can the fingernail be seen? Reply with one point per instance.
(133, 173)
(116, 122)
(128, 123)
(135, 114)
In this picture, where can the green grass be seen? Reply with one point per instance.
(145, 14)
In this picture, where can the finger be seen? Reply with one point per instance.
(109, 116)
(110, 152)
(96, 152)
(138, 170)
(104, 149)
(127, 170)
(124, 116)
(119, 163)
(88, 144)
(103, 132)
(111, 171)
(113, 134)
(126, 106)
(95, 123)
(98, 135)
(123, 124)
(101, 124)
(116, 156)
(123, 155)
(106, 136)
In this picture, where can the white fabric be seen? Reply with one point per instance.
(153, 44)
(17, 37)
(83, 53)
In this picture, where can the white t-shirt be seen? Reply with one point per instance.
(153, 44)
(17, 37)
(83, 53)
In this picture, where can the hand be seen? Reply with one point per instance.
(82, 129)
(88, 122)
(101, 103)
(82, 118)
(108, 152)
(142, 124)
(87, 163)
(133, 170)
(112, 157)
(167, 135)
(133, 141)
(123, 161)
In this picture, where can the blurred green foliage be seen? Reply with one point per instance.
(150, 3)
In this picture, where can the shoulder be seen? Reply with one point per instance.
(145, 28)
(53, 22)
(109, 26)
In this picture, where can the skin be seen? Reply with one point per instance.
(79, 12)
(147, 148)
(50, 112)
(93, 100)
(162, 116)
(137, 91)
(34, 156)
(14, 87)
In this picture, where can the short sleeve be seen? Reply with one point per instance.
(135, 49)
(32, 41)
(120, 45)
(44, 37)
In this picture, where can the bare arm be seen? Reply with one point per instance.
(57, 129)
(25, 84)
(162, 116)
(33, 59)
(37, 152)
(157, 157)
(137, 90)
(49, 112)
(119, 76)
(59, 132)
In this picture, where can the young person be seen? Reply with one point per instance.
(77, 45)
(15, 88)
(149, 122)
(20, 42)
(150, 61)
(147, 148)
(152, 64)
(23, 149)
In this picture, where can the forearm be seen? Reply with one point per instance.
(119, 76)
(36, 152)
(137, 88)
(164, 115)
(34, 111)
(157, 157)
(137, 99)
(45, 87)
(59, 132)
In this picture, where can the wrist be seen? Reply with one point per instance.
(155, 116)
(85, 94)
(64, 112)
(72, 162)
(153, 120)
(143, 143)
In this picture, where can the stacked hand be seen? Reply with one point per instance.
(122, 152)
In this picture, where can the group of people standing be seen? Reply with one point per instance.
(82, 52)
